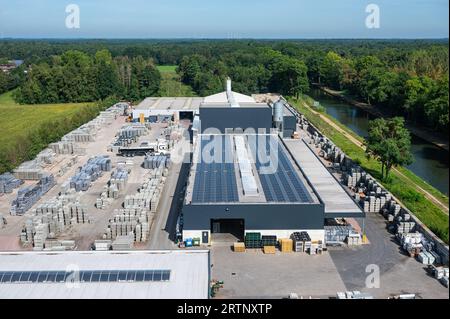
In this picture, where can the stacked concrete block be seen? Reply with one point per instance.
(123, 242)
(31, 170)
(119, 178)
(126, 221)
(29, 195)
(156, 161)
(62, 147)
(8, 182)
(412, 243)
(53, 217)
(90, 172)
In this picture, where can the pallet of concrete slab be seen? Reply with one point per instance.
(65, 214)
(31, 170)
(119, 178)
(120, 108)
(115, 185)
(156, 161)
(57, 214)
(38, 229)
(136, 220)
(132, 130)
(441, 274)
(103, 202)
(59, 245)
(46, 156)
(102, 244)
(148, 195)
(29, 195)
(8, 182)
(126, 165)
(107, 116)
(125, 242)
(62, 147)
(90, 172)
(82, 134)
(412, 243)
(337, 234)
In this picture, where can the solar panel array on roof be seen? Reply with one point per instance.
(215, 181)
(284, 184)
(83, 276)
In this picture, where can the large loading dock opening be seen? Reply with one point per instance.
(227, 230)
(187, 115)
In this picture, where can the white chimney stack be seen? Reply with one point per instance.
(229, 85)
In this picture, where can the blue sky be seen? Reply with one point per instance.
(224, 19)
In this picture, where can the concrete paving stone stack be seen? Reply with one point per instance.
(31, 170)
(412, 243)
(123, 242)
(426, 258)
(28, 196)
(300, 239)
(337, 234)
(62, 147)
(8, 182)
(354, 239)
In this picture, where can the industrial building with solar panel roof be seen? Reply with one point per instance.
(249, 175)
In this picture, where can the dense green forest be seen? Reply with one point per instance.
(404, 77)
(11, 80)
(76, 76)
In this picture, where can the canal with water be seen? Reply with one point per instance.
(430, 161)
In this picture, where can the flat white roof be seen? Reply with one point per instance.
(170, 103)
(223, 98)
(189, 277)
(335, 198)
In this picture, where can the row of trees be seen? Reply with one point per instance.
(264, 70)
(417, 89)
(78, 77)
(405, 77)
(11, 80)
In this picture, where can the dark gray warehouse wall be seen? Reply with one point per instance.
(257, 216)
(223, 118)
(289, 123)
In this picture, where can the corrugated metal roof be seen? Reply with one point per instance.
(335, 198)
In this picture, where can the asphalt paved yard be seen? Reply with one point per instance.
(399, 273)
(256, 275)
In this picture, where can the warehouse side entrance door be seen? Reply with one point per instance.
(227, 230)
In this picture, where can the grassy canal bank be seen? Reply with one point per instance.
(403, 184)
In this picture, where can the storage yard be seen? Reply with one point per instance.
(308, 226)
(80, 189)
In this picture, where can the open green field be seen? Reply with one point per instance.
(171, 86)
(428, 212)
(167, 68)
(27, 129)
(18, 120)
